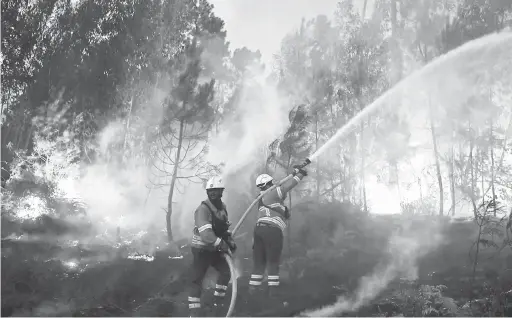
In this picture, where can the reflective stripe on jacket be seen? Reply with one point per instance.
(209, 220)
(271, 208)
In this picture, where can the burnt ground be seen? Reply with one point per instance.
(126, 287)
(49, 270)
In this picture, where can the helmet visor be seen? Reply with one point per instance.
(263, 184)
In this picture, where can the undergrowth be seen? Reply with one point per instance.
(56, 262)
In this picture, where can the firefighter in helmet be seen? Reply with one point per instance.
(210, 240)
(268, 232)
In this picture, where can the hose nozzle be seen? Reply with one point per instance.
(306, 162)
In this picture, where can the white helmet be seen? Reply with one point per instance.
(263, 179)
(215, 182)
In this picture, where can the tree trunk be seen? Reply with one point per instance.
(492, 171)
(361, 135)
(127, 126)
(505, 140)
(173, 182)
(452, 180)
(343, 176)
(438, 166)
(147, 197)
(482, 175)
(318, 177)
(28, 139)
(396, 72)
(352, 173)
(363, 163)
(421, 189)
(472, 174)
(20, 133)
(336, 152)
(397, 169)
(289, 228)
(333, 187)
(364, 9)
(397, 58)
(498, 167)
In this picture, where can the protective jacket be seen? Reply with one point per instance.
(211, 226)
(271, 208)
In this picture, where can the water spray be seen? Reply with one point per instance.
(484, 47)
(406, 250)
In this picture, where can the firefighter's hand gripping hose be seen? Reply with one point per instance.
(228, 256)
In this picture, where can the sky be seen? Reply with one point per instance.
(262, 24)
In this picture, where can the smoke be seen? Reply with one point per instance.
(121, 195)
(403, 253)
(46, 309)
(183, 221)
(259, 116)
(114, 188)
(117, 196)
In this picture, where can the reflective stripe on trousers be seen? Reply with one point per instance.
(267, 249)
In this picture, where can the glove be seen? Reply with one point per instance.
(299, 169)
(226, 236)
(286, 213)
(223, 247)
(231, 243)
(232, 246)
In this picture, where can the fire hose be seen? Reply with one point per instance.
(229, 257)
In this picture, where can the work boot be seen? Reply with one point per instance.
(194, 307)
(273, 292)
(194, 312)
(255, 290)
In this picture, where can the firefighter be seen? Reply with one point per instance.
(268, 232)
(210, 240)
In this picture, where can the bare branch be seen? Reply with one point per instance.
(169, 142)
(159, 153)
(195, 142)
(188, 177)
(185, 153)
(193, 161)
(420, 50)
(177, 186)
(155, 184)
(160, 185)
(196, 182)
(166, 173)
(162, 146)
(169, 160)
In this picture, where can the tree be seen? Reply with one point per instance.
(425, 39)
(188, 115)
(294, 145)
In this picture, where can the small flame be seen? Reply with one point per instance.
(71, 264)
(147, 258)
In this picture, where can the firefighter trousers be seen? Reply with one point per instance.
(266, 253)
(203, 259)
